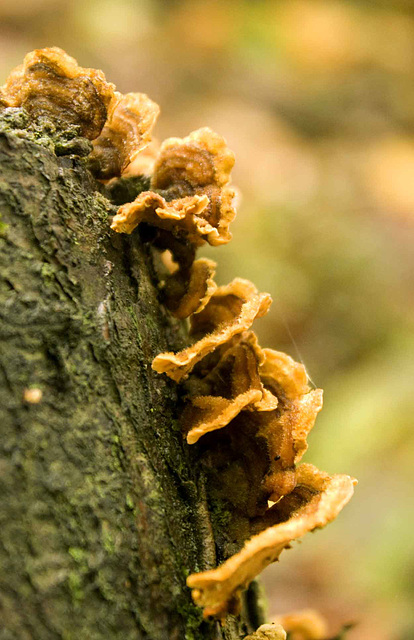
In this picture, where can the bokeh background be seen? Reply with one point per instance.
(316, 98)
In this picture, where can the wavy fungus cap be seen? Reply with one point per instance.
(199, 160)
(280, 369)
(285, 432)
(230, 311)
(51, 83)
(179, 217)
(188, 291)
(316, 500)
(233, 384)
(190, 197)
(127, 131)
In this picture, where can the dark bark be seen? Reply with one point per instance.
(103, 512)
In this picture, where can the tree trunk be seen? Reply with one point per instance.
(103, 511)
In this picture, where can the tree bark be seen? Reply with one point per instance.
(103, 510)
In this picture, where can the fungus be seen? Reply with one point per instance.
(144, 162)
(233, 385)
(3, 99)
(280, 369)
(270, 631)
(259, 448)
(127, 131)
(305, 625)
(51, 83)
(285, 431)
(187, 291)
(181, 215)
(230, 311)
(190, 197)
(316, 500)
(199, 160)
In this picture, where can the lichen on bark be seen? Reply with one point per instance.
(103, 512)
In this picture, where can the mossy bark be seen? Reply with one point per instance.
(103, 512)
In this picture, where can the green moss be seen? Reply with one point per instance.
(194, 620)
(220, 514)
(75, 582)
(129, 501)
(107, 538)
(135, 322)
(41, 131)
(116, 461)
(48, 274)
(78, 554)
(3, 225)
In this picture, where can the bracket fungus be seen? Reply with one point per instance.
(233, 384)
(188, 290)
(127, 131)
(230, 311)
(250, 408)
(316, 500)
(51, 83)
(190, 197)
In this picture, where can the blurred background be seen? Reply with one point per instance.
(316, 98)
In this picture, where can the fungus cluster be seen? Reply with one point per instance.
(249, 408)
